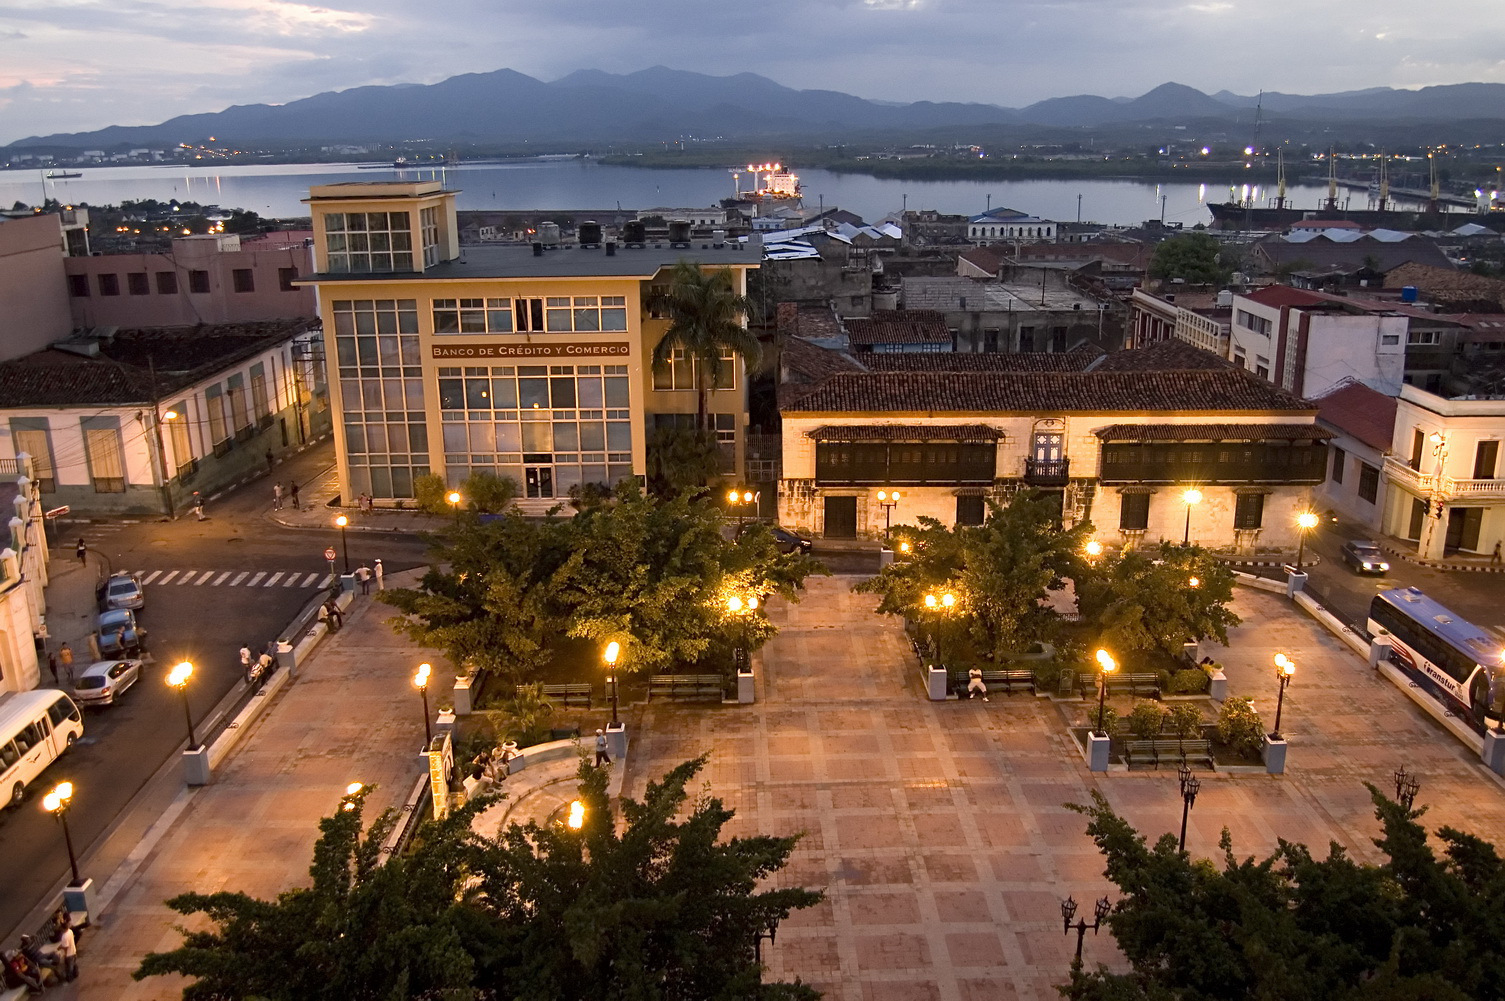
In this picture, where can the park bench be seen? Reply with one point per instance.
(1007, 680)
(572, 695)
(687, 687)
(1145, 683)
(1171, 751)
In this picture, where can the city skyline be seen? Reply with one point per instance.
(84, 65)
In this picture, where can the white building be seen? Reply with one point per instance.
(1364, 422)
(1008, 226)
(23, 577)
(1307, 342)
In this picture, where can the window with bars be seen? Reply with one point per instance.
(243, 280)
(136, 283)
(1369, 482)
(260, 404)
(167, 283)
(219, 418)
(1249, 511)
(1339, 458)
(109, 284)
(78, 286)
(368, 242)
(1133, 512)
(198, 282)
(285, 279)
(182, 450)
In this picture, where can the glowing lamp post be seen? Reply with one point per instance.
(1285, 668)
(1305, 522)
(1107, 665)
(344, 523)
(56, 803)
(1191, 498)
(613, 651)
(576, 818)
(890, 500)
(1093, 549)
(741, 500)
(178, 678)
(421, 682)
(454, 504)
(352, 791)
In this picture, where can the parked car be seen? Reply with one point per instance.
(104, 681)
(1364, 556)
(118, 634)
(785, 540)
(121, 590)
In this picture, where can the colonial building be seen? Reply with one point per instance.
(1003, 225)
(1446, 490)
(1364, 423)
(529, 362)
(1118, 446)
(23, 577)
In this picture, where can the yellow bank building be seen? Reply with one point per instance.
(530, 362)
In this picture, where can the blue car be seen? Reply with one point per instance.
(118, 635)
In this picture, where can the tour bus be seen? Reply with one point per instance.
(1450, 659)
(35, 728)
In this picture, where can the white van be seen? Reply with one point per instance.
(35, 728)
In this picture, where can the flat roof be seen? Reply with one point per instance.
(566, 261)
(374, 189)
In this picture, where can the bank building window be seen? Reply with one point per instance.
(368, 242)
(547, 427)
(381, 393)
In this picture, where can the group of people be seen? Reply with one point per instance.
(259, 668)
(364, 503)
(494, 765)
(36, 968)
(292, 495)
(365, 575)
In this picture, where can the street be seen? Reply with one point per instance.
(234, 578)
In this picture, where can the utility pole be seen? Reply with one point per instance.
(151, 365)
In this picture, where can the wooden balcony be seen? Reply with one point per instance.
(1046, 472)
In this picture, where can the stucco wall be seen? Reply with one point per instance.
(32, 286)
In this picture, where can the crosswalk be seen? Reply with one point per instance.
(233, 578)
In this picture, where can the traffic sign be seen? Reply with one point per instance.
(58, 512)
(329, 554)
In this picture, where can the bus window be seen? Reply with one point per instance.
(9, 755)
(57, 712)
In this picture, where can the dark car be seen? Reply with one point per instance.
(785, 540)
(118, 634)
(1364, 556)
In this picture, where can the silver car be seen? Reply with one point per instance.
(121, 591)
(104, 681)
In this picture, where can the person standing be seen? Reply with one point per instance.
(381, 584)
(270, 461)
(52, 666)
(245, 659)
(602, 758)
(277, 496)
(363, 574)
(1495, 556)
(292, 489)
(67, 950)
(83, 551)
(65, 655)
(198, 505)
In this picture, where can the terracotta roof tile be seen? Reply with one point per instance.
(1212, 432)
(912, 326)
(1360, 412)
(1171, 355)
(1076, 360)
(905, 432)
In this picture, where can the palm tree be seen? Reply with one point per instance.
(705, 320)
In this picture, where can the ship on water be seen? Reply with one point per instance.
(771, 182)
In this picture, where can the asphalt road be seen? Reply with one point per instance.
(125, 744)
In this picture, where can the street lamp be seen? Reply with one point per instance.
(1192, 496)
(939, 605)
(576, 818)
(454, 504)
(57, 803)
(1189, 788)
(1107, 665)
(344, 523)
(1193, 582)
(178, 678)
(170, 415)
(1305, 522)
(1285, 667)
(740, 499)
(347, 801)
(1068, 911)
(890, 500)
(1406, 788)
(421, 682)
(904, 547)
(613, 651)
(1093, 549)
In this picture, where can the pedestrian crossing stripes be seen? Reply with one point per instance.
(231, 578)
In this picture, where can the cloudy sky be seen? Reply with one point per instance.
(72, 65)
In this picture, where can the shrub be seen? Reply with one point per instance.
(1239, 726)
(1184, 722)
(1146, 720)
(1110, 721)
(1047, 674)
(1163, 679)
(1188, 682)
(526, 716)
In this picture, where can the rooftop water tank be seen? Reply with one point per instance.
(548, 234)
(679, 233)
(635, 233)
(590, 233)
(1225, 299)
(1408, 293)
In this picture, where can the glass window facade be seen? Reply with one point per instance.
(368, 242)
(548, 427)
(381, 386)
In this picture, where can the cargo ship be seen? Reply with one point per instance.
(770, 182)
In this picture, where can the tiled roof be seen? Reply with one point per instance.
(1283, 295)
(954, 361)
(1212, 432)
(1044, 392)
(913, 326)
(905, 432)
(122, 374)
(1135, 255)
(1360, 412)
(1163, 356)
(987, 259)
(1322, 254)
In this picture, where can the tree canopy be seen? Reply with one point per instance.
(651, 573)
(659, 907)
(1420, 925)
(1195, 257)
(1001, 571)
(1146, 599)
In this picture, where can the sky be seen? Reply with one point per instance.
(77, 65)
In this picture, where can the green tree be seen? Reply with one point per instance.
(665, 909)
(705, 315)
(488, 493)
(429, 492)
(1195, 257)
(1146, 600)
(682, 460)
(1420, 925)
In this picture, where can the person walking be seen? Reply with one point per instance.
(381, 584)
(277, 496)
(198, 505)
(245, 659)
(83, 551)
(363, 576)
(1495, 556)
(52, 666)
(270, 461)
(602, 758)
(292, 489)
(65, 655)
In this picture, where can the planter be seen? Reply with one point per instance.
(1295, 581)
(462, 696)
(196, 765)
(1097, 752)
(1217, 688)
(1494, 751)
(1274, 754)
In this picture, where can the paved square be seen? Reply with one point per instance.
(938, 829)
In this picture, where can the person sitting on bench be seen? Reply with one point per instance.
(975, 685)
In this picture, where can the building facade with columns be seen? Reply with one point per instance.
(23, 578)
(529, 362)
(1118, 448)
(1443, 471)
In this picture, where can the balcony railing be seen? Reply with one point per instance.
(1413, 479)
(1443, 486)
(1046, 472)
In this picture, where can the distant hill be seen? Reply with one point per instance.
(591, 106)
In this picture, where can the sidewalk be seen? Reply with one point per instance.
(315, 509)
(350, 716)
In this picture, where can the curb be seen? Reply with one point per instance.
(1442, 564)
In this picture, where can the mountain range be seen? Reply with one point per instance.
(591, 106)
